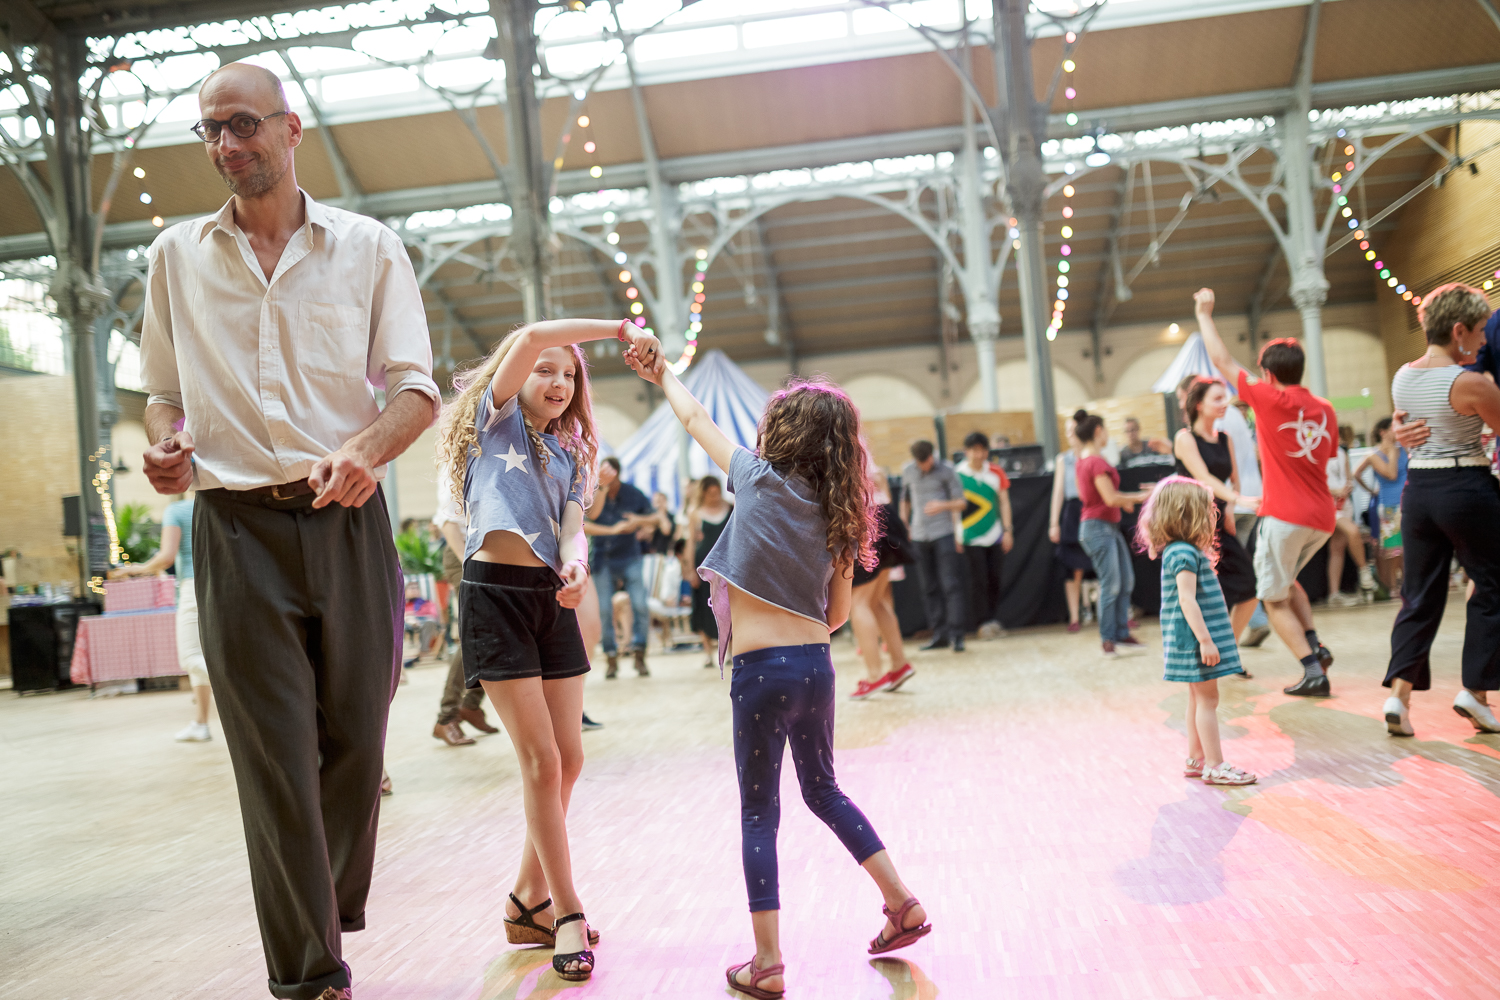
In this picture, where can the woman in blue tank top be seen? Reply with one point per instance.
(1388, 461)
(781, 576)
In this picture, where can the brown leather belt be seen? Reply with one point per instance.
(284, 491)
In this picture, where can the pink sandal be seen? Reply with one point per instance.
(756, 975)
(906, 936)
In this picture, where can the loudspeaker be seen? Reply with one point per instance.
(41, 644)
(72, 517)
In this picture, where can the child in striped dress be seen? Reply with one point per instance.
(1197, 639)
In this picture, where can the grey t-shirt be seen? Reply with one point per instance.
(505, 488)
(775, 547)
(941, 483)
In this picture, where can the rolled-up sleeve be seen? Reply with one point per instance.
(159, 376)
(400, 357)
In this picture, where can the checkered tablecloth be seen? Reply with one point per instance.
(122, 647)
(139, 594)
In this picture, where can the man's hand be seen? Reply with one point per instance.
(643, 353)
(1409, 435)
(169, 463)
(575, 577)
(344, 477)
(1203, 302)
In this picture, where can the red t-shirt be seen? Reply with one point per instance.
(1094, 507)
(1298, 433)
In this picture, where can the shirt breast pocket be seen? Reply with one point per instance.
(331, 340)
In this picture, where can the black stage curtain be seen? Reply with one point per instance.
(1032, 579)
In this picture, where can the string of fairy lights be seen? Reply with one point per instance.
(1382, 268)
(1060, 300)
(626, 277)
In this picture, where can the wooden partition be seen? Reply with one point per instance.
(1150, 410)
(890, 439)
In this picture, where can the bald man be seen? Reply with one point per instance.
(266, 326)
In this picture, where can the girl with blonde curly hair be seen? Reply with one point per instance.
(1179, 524)
(520, 441)
(781, 576)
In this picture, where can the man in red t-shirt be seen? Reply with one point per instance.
(1298, 434)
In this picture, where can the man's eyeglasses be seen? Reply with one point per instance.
(243, 126)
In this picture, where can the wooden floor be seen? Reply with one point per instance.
(1029, 792)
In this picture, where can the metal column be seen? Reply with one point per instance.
(530, 232)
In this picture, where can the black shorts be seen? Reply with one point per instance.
(511, 625)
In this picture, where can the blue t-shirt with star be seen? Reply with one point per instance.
(505, 488)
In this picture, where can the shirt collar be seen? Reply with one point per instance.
(317, 215)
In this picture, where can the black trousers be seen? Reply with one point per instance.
(455, 695)
(943, 587)
(1447, 512)
(984, 565)
(300, 612)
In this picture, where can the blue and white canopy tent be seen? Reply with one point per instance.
(1193, 359)
(653, 458)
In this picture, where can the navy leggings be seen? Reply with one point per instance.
(779, 694)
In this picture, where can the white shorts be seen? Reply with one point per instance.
(1281, 550)
(189, 645)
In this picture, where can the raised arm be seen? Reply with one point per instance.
(535, 338)
(1218, 351)
(692, 414)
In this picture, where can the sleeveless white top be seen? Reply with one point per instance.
(1423, 393)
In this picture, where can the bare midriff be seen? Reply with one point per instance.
(506, 547)
(758, 625)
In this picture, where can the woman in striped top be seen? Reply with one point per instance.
(1451, 506)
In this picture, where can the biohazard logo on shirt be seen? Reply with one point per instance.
(1309, 435)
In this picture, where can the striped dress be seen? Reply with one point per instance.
(1179, 645)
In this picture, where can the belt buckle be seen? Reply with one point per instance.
(276, 492)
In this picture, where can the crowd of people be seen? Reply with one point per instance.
(304, 654)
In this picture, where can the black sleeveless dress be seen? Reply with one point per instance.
(702, 619)
(1235, 570)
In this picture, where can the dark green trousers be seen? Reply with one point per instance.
(300, 612)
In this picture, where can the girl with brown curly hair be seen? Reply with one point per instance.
(520, 443)
(781, 575)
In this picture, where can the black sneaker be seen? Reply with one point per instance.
(590, 723)
(934, 644)
(1309, 687)
(1325, 657)
(958, 645)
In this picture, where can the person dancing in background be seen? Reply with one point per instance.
(804, 490)
(1066, 514)
(1099, 534)
(1297, 436)
(710, 515)
(1389, 463)
(1346, 536)
(873, 614)
(176, 553)
(1207, 456)
(458, 703)
(1451, 507)
(520, 441)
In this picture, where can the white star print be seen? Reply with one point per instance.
(532, 537)
(514, 459)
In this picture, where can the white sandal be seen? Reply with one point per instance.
(1227, 774)
(1193, 768)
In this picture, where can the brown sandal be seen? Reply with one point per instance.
(756, 975)
(905, 935)
(525, 930)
